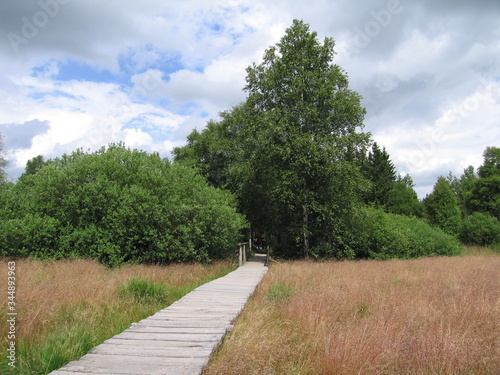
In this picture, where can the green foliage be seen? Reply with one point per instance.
(33, 165)
(383, 236)
(380, 171)
(143, 291)
(402, 200)
(288, 151)
(485, 194)
(480, 229)
(463, 188)
(441, 208)
(30, 235)
(119, 205)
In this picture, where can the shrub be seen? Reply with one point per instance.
(33, 234)
(480, 229)
(119, 205)
(383, 236)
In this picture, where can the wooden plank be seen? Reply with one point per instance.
(120, 364)
(151, 351)
(178, 339)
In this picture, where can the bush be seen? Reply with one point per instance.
(383, 236)
(119, 205)
(480, 229)
(33, 234)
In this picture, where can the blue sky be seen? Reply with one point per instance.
(84, 73)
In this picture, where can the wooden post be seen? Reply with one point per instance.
(240, 256)
(250, 237)
(267, 255)
(244, 247)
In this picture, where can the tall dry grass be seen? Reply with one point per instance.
(44, 288)
(57, 301)
(426, 316)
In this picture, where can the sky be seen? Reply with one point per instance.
(86, 73)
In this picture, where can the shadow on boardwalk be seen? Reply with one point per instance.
(179, 339)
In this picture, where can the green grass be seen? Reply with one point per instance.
(280, 292)
(76, 330)
(140, 290)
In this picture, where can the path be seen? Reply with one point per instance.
(180, 338)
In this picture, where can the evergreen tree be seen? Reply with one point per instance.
(441, 207)
(402, 199)
(381, 172)
(463, 188)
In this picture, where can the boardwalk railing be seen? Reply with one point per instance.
(243, 252)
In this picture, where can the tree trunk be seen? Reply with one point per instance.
(305, 230)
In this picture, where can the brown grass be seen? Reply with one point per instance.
(44, 289)
(426, 316)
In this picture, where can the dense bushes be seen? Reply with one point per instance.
(118, 205)
(382, 236)
(480, 229)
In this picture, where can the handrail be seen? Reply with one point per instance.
(243, 248)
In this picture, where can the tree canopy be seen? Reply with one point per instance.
(485, 194)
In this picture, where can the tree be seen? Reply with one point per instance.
(3, 161)
(303, 125)
(210, 151)
(381, 172)
(402, 199)
(441, 207)
(288, 152)
(463, 188)
(485, 194)
(34, 165)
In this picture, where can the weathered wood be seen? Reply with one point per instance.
(179, 339)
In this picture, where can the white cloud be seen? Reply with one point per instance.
(177, 63)
(137, 138)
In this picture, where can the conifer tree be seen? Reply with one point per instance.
(441, 207)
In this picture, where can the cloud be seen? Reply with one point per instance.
(21, 135)
(86, 73)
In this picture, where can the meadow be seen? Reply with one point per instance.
(66, 307)
(438, 315)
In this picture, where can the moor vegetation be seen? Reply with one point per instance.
(66, 307)
(423, 316)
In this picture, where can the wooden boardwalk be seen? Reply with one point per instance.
(179, 339)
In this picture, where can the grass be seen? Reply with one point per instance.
(65, 308)
(437, 315)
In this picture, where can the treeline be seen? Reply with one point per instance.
(291, 163)
(307, 177)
